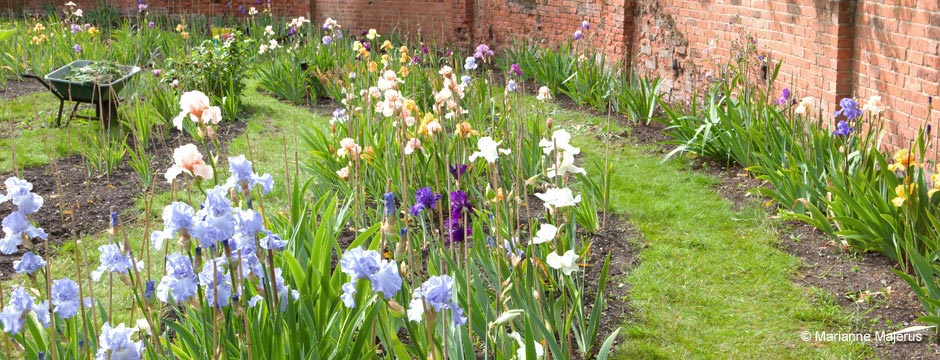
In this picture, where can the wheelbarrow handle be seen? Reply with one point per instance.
(44, 83)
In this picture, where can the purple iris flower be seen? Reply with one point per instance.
(149, 289)
(29, 264)
(843, 129)
(578, 35)
(77, 48)
(65, 297)
(243, 175)
(436, 294)
(180, 280)
(459, 203)
(217, 283)
(483, 51)
(458, 230)
(784, 96)
(511, 85)
(13, 316)
(458, 170)
(391, 203)
(515, 69)
(424, 199)
(368, 264)
(113, 260)
(849, 109)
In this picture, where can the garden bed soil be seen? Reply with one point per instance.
(622, 243)
(19, 87)
(76, 204)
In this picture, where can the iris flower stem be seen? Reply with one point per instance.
(270, 253)
(52, 328)
(81, 293)
(91, 288)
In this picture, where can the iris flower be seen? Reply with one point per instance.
(489, 150)
(567, 263)
(436, 294)
(849, 109)
(187, 159)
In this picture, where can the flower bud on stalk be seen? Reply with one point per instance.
(198, 264)
(27, 242)
(185, 241)
(396, 309)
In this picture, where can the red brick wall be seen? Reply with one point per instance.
(284, 8)
(498, 22)
(830, 49)
(896, 56)
(434, 20)
(808, 36)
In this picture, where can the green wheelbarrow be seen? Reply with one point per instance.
(103, 96)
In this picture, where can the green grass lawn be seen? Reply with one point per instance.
(25, 126)
(710, 282)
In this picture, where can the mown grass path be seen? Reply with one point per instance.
(710, 283)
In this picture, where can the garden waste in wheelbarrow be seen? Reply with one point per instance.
(104, 95)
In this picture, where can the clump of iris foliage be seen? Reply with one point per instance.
(440, 216)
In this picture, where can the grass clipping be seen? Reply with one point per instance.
(96, 72)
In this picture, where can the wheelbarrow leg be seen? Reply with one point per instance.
(58, 119)
(106, 111)
(71, 114)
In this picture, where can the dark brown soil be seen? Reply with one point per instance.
(622, 243)
(862, 283)
(650, 134)
(323, 106)
(18, 87)
(75, 202)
